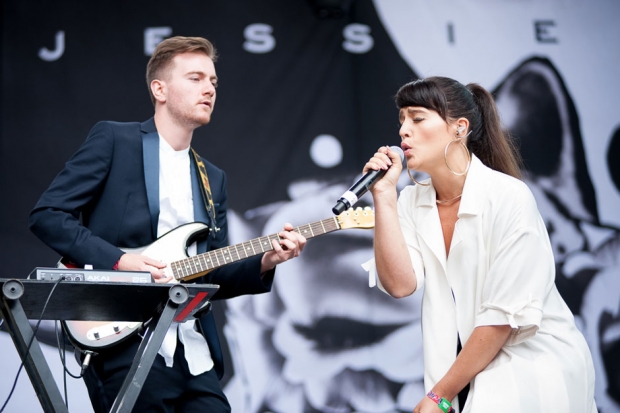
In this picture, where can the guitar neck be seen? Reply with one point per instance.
(200, 264)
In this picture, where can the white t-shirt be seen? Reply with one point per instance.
(176, 207)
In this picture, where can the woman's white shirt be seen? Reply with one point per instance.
(499, 271)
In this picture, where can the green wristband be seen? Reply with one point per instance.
(444, 405)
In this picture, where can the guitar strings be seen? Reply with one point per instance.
(183, 268)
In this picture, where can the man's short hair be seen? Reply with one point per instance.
(166, 51)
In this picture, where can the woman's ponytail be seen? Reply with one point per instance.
(491, 144)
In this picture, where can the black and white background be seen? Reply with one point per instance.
(305, 98)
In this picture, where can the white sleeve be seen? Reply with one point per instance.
(520, 276)
(408, 227)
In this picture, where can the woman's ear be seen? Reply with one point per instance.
(461, 126)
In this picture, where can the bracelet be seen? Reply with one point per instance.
(442, 403)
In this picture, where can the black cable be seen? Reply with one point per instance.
(62, 353)
(64, 374)
(34, 332)
(63, 360)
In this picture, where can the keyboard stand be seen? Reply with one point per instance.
(162, 304)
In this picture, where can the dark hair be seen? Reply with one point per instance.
(168, 49)
(452, 100)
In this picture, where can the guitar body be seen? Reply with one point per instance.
(171, 246)
(97, 335)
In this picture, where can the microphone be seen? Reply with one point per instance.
(359, 188)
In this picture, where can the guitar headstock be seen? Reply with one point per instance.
(357, 218)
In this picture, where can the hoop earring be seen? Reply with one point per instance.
(413, 179)
(445, 154)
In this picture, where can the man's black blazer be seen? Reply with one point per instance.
(98, 203)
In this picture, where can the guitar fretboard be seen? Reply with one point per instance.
(210, 260)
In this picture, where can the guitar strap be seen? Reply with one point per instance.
(205, 190)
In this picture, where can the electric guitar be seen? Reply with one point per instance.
(171, 248)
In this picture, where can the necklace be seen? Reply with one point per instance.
(448, 200)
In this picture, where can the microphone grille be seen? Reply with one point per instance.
(399, 151)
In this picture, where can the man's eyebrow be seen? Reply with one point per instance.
(202, 74)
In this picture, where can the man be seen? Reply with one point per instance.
(129, 184)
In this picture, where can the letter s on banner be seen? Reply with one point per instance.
(357, 38)
(154, 36)
(258, 38)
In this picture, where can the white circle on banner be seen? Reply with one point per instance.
(326, 151)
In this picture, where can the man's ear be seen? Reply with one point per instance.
(158, 88)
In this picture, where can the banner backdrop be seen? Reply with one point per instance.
(305, 98)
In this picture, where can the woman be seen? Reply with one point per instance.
(472, 235)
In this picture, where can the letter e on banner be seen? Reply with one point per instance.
(258, 38)
(357, 38)
(154, 36)
(542, 29)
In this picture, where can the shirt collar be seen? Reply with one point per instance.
(169, 151)
(470, 200)
(474, 184)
